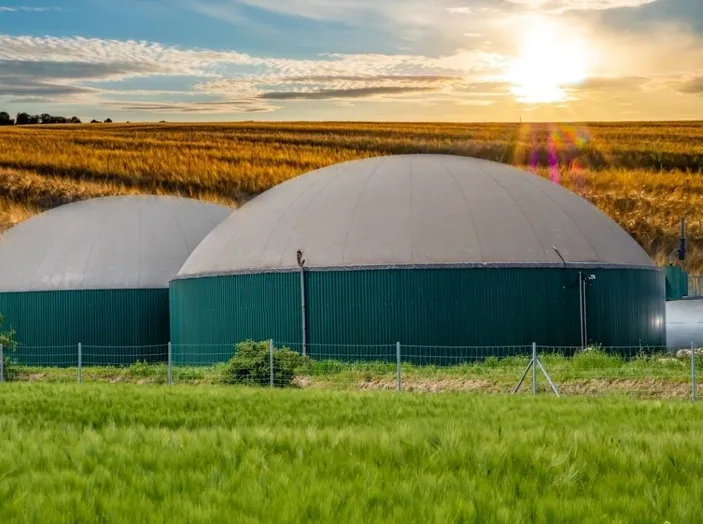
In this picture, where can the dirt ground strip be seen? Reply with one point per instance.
(641, 387)
(638, 387)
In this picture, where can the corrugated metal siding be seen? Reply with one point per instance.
(120, 318)
(627, 308)
(210, 315)
(426, 307)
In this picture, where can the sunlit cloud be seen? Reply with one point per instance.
(581, 5)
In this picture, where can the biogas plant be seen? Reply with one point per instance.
(429, 250)
(96, 272)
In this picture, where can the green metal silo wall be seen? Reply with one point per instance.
(114, 326)
(210, 315)
(488, 307)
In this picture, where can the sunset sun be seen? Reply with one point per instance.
(549, 60)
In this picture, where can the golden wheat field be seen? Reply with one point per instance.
(644, 175)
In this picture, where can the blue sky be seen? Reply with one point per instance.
(458, 60)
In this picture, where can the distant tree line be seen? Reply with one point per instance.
(24, 119)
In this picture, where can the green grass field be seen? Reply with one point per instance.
(126, 453)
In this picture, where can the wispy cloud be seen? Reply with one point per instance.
(459, 10)
(692, 85)
(27, 9)
(407, 21)
(332, 94)
(202, 108)
(580, 5)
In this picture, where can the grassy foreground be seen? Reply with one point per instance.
(644, 175)
(122, 453)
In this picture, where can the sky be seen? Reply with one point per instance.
(391, 60)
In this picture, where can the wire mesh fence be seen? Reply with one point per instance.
(628, 370)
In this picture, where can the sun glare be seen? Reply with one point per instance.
(550, 59)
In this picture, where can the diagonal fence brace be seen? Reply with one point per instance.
(535, 363)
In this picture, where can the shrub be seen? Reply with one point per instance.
(251, 365)
(7, 339)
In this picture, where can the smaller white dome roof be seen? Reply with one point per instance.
(124, 242)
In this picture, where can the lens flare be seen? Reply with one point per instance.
(550, 59)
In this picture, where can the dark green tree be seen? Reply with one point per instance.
(5, 119)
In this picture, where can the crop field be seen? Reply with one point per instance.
(125, 453)
(644, 175)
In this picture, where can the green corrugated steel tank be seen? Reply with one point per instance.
(96, 272)
(676, 283)
(428, 250)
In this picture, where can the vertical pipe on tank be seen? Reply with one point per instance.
(682, 240)
(304, 320)
(585, 315)
(581, 307)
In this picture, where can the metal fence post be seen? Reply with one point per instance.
(80, 363)
(694, 386)
(534, 368)
(2, 364)
(170, 365)
(271, 360)
(399, 371)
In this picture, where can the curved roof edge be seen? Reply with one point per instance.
(468, 265)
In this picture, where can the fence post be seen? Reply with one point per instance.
(170, 364)
(2, 364)
(80, 363)
(694, 386)
(271, 360)
(399, 371)
(534, 368)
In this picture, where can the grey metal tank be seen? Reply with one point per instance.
(684, 323)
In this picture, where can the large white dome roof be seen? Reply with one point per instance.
(414, 210)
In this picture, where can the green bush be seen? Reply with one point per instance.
(7, 339)
(251, 365)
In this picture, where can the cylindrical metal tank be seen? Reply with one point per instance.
(428, 250)
(684, 323)
(96, 272)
